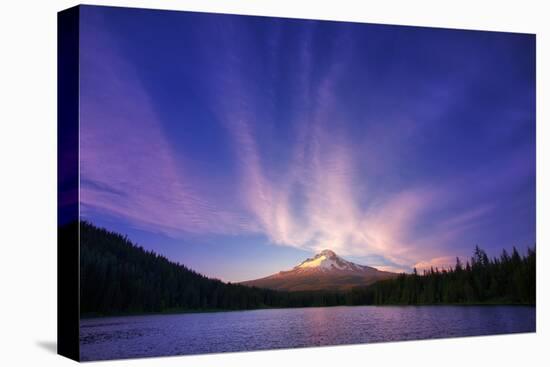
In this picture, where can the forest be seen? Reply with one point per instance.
(120, 277)
(508, 279)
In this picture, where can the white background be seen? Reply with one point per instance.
(28, 182)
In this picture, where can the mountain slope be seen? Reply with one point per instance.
(325, 271)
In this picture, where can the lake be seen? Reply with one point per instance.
(160, 335)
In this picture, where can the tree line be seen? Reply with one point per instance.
(119, 277)
(507, 279)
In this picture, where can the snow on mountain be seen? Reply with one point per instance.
(328, 260)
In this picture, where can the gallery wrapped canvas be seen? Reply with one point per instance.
(238, 183)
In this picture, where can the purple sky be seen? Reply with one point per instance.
(241, 145)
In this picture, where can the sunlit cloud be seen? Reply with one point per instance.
(436, 264)
(313, 203)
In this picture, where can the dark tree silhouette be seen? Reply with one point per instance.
(503, 280)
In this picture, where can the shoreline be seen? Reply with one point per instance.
(181, 312)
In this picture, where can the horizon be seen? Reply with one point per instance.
(446, 267)
(240, 147)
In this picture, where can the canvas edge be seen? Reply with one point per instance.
(68, 282)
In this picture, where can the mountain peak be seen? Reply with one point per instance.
(326, 260)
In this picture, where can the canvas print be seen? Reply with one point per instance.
(237, 183)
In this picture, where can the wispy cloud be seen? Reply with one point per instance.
(128, 168)
(314, 203)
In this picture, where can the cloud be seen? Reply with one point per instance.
(314, 203)
(128, 168)
(321, 196)
(440, 263)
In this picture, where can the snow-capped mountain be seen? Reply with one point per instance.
(324, 271)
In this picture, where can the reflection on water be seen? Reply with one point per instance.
(147, 336)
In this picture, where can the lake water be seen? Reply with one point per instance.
(159, 335)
